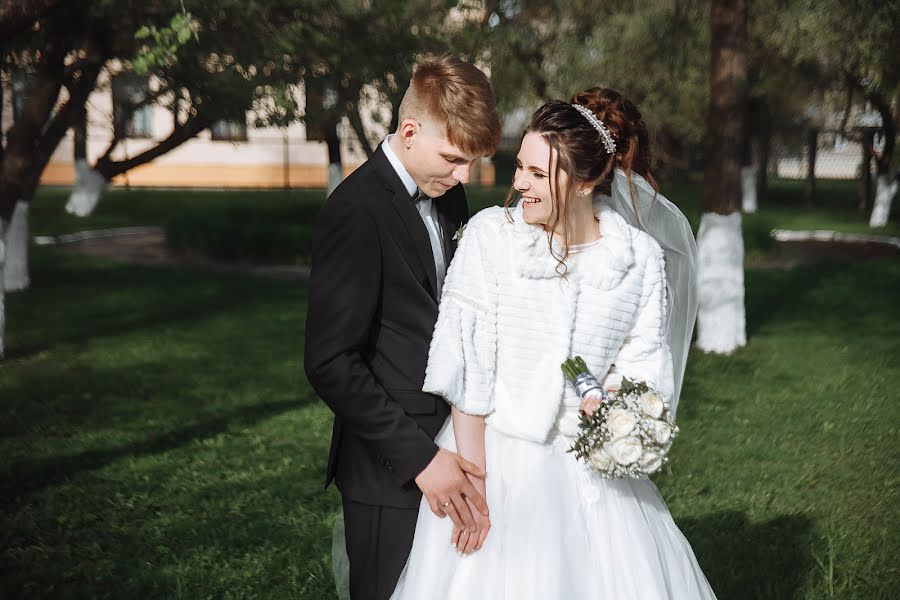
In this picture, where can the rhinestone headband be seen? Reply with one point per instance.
(609, 142)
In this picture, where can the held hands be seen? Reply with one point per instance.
(446, 484)
(467, 542)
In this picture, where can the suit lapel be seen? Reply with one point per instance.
(416, 231)
(416, 244)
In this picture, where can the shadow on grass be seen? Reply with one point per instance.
(758, 561)
(30, 476)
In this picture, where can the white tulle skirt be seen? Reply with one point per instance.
(558, 531)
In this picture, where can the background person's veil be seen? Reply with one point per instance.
(657, 216)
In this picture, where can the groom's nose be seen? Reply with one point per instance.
(462, 172)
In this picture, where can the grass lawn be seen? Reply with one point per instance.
(274, 226)
(159, 438)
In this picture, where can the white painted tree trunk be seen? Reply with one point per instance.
(885, 190)
(748, 189)
(15, 269)
(721, 322)
(2, 288)
(89, 187)
(335, 176)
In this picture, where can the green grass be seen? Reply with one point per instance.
(159, 438)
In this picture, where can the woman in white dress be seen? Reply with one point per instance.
(559, 275)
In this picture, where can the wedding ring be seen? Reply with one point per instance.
(445, 504)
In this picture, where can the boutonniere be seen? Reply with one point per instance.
(458, 235)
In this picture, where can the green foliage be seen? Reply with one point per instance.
(166, 42)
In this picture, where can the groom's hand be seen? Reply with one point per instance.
(446, 487)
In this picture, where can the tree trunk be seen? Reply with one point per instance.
(2, 289)
(15, 269)
(865, 171)
(885, 190)
(89, 184)
(885, 184)
(812, 145)
(335, 167)
(763, 154)
(89, 187)
(721, 320)
(721, 324)
(748, 188)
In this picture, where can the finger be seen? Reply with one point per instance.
(470, 467)
(475, 498)
(462, 509)
(472, 542)
(485, 528)
(435, 505)
(454, 536)
(453, 513)
(463, 541)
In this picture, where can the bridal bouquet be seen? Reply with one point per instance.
(629, 434)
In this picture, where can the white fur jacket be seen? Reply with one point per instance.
(508, 320)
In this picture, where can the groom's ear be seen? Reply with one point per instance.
(407, 131)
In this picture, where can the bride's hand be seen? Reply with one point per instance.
(589, 405)
(465, 542)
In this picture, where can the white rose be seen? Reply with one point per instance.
(626, 450)
(651, 462)
(600, 460)
(661, 430)
(620, 422)
(651, 405)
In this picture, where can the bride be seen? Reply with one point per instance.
(591, 262)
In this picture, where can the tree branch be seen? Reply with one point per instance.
(350, 97)
(128, 110)
(182, 133)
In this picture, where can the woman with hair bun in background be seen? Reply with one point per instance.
(585, 258)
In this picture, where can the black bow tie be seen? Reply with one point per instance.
(419, 196)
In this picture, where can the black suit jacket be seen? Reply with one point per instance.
(372, 311)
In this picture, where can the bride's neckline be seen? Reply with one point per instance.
(574, 248)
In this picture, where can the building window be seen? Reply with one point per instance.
(131, 94)
(229, 131)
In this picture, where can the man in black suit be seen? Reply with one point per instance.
(381, 246)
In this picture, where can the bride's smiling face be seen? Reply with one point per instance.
(535, 165)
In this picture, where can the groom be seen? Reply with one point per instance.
(381, 247)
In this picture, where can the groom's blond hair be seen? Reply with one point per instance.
(458, 96)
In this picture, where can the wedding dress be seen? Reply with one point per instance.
(507, 320)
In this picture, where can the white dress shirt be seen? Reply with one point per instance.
(427, 210)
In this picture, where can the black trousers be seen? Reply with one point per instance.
(379, 539)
